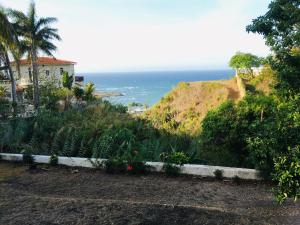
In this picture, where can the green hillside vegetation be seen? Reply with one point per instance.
(183, 109)
(264, 83)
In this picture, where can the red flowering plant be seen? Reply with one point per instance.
(134, 163)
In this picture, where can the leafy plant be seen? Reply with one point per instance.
(2, 91)
(67, 81)
(89, 90)
(115, 165)
(137, 167)
(53, 160)
(78, 92)
(218, 174)
(173, 162)
(28, 159)
(287, 175)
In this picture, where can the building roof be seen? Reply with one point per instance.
(47, 61)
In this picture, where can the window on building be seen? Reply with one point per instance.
(47, 73)
(61, 71)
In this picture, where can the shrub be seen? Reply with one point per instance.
(78, 92)
(137, 167)
(67, 81)
(218, 174)
(173, 162)
(53, 160)
(115, 165)
(28, 159)
(287, 175)
(171, 169)
(5, 108)
(89, 89)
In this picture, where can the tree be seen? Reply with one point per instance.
(244, 61)
(8, 41)
(38, 36)
(280, 27)
(67, 81)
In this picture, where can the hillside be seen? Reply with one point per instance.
(183, 109)
(187, 104)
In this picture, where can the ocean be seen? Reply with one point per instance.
(148, 87)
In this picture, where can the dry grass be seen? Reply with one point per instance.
(190, 102)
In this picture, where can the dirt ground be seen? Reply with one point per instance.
(67, 196)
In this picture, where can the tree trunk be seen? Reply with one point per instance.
(35, 76)
(18, 68)
(12, 79)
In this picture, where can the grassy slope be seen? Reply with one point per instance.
(187, 104)
(183, 109)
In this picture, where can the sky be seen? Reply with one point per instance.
(149, 35)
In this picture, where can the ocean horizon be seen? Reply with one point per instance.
(148, 88)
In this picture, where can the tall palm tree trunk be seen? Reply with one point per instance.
(12, 79)
(35, 76)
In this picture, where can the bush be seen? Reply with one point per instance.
(53, 160)
(173, 162)
(78, 92)
(218, 174)
(115, 165)
(287, 175)
(67, 81)
(89, 90)
(5, 108)
(28, 159)
(246, 134)
(137, 167)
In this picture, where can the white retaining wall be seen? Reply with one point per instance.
(191, 169)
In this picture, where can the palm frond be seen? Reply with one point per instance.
(48, 33)
(47, 47)
(42, 22)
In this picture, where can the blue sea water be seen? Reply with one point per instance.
(148, 87)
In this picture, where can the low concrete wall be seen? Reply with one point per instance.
(191, 169)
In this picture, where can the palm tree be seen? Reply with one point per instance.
(37, 35)
(8, 41)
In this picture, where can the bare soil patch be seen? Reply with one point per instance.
(66, 196)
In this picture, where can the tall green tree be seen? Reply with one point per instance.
(8, 41)
(38, 37)
(244, 61)
(280, 27)
(67, 80)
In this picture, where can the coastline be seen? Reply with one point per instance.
(99, 94)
